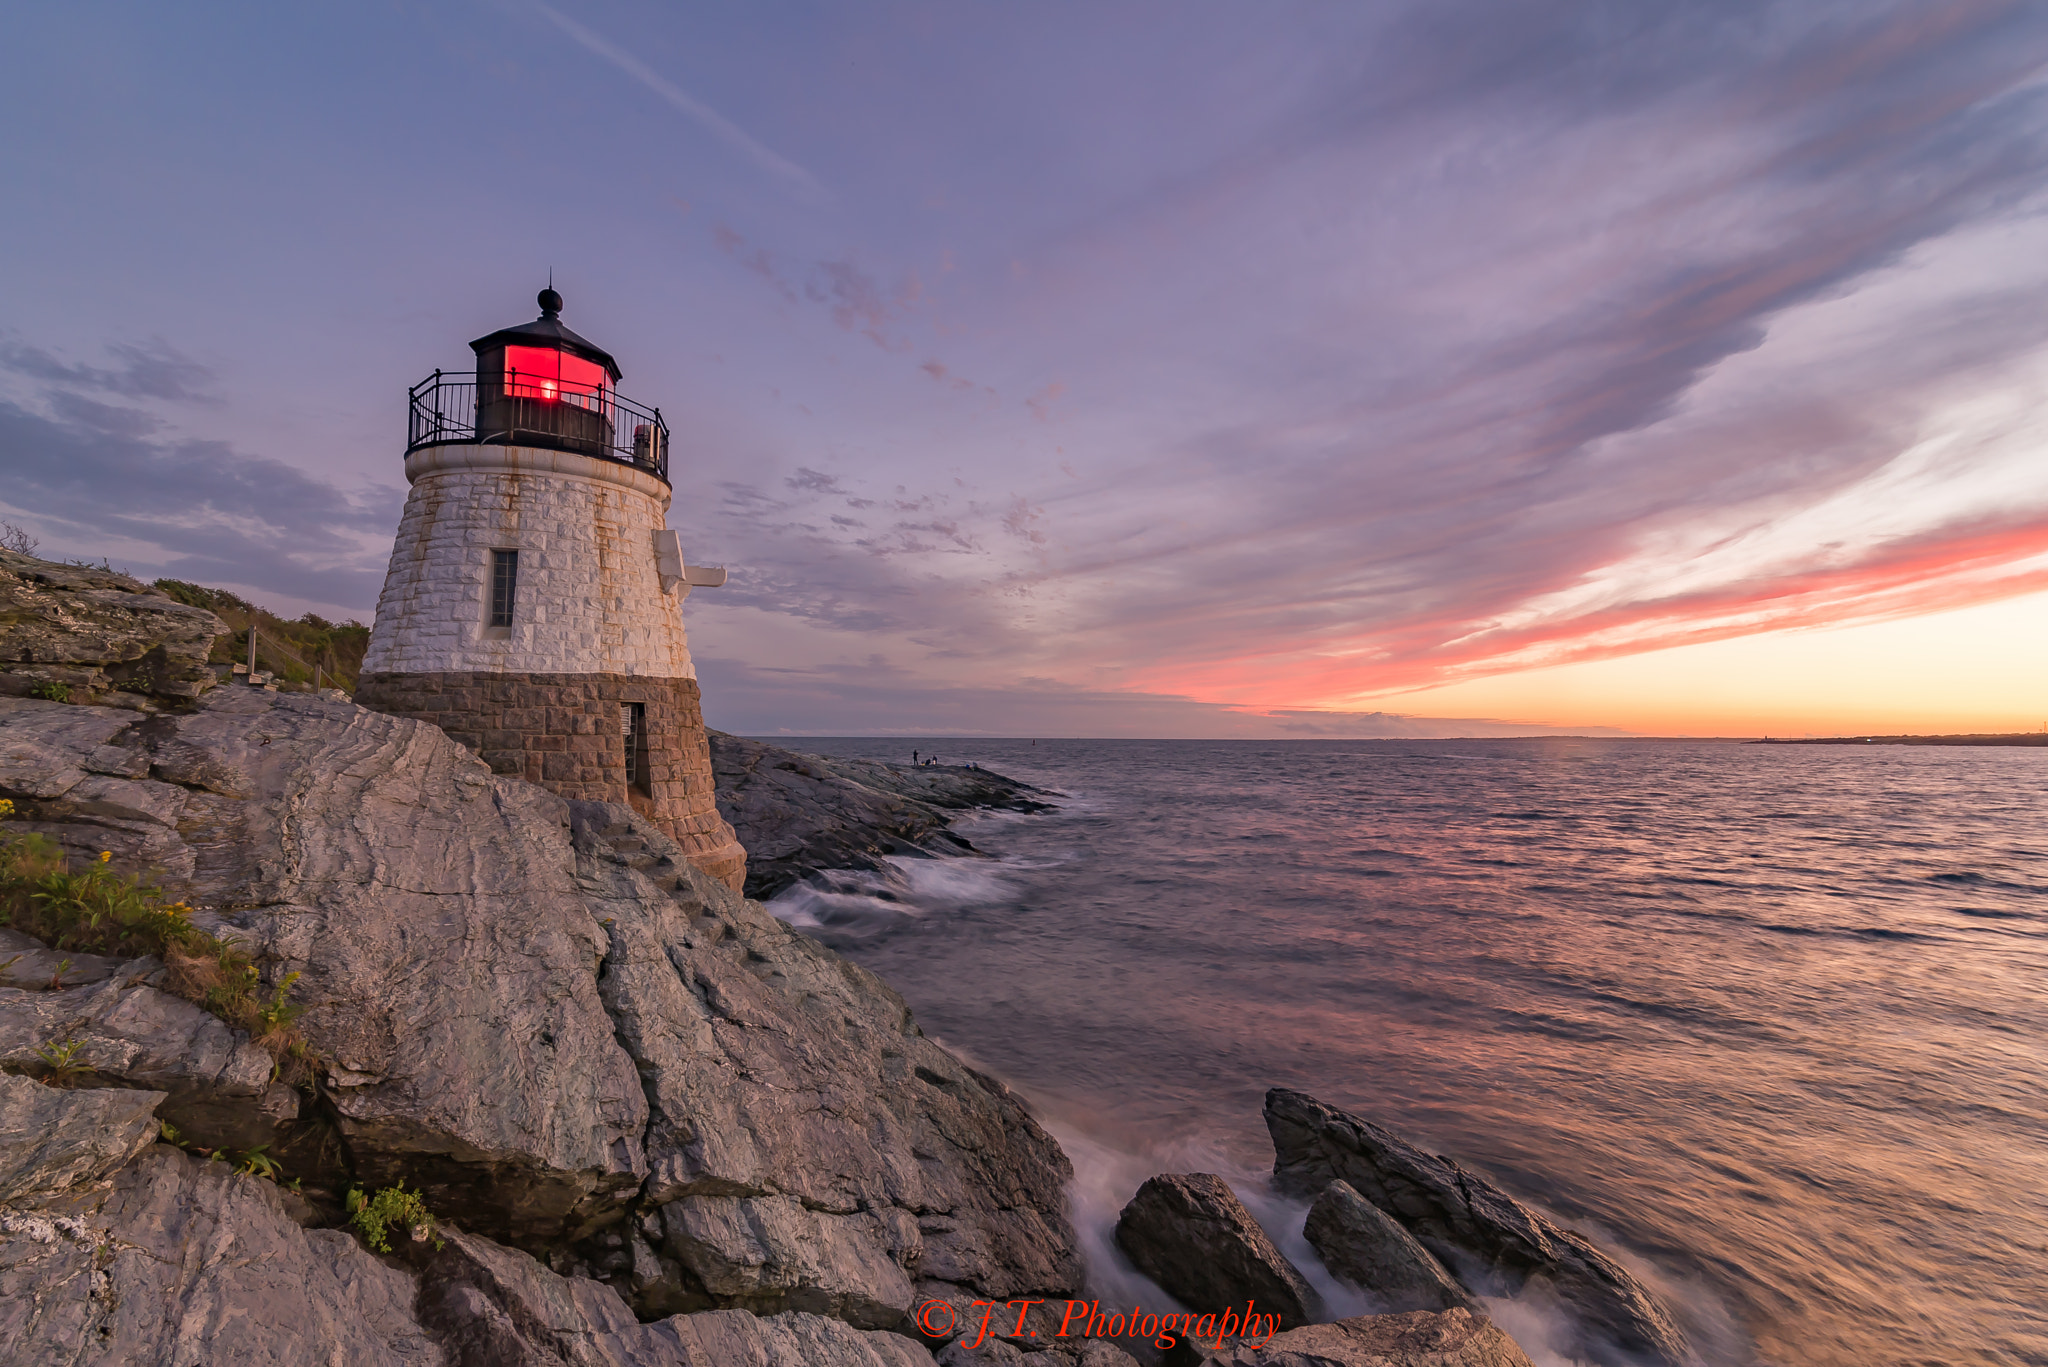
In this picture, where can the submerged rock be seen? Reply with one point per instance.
(1190, 1233)
(1456, 1213)
(798, 814)
(1422, 1338)
(1363, 1245)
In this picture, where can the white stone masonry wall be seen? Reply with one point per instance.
(589, 598)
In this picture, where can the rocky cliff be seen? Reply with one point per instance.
(536, 1014)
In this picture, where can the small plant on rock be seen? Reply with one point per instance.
(255, 1162)
(51, 692)
(372, 1216)
(61, 1062)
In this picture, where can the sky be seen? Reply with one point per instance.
(1191, 369)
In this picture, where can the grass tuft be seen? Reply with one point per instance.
(101, 912)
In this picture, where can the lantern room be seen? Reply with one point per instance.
(540, 384)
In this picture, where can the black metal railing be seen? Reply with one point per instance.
(515, 410)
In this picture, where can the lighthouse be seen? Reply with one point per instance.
(532, 609)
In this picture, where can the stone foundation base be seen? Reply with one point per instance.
(566, 732)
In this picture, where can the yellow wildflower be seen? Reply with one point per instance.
(105, 855)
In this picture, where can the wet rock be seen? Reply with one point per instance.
(217, 1085)
(1452, 1338)
(1363, 1245)
(798, 814)
(51, 1139)
(1457, 1213)
(176, 1261)
(1190, 1234)
(96, 632)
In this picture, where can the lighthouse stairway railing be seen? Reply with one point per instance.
(557, 415)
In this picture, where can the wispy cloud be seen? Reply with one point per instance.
(735, 137)
(153, 369)
(93, 474)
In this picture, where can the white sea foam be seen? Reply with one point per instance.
(864, 899)
(1106, 1177)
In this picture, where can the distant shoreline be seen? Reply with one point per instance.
(2031, 738)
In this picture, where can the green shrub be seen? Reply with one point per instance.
(51, 692)
(372, 1216)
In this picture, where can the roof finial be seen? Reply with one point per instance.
(550, 302)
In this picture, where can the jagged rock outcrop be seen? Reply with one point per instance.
(51, 1138)
(101, 635)
(798, 814)
(806, 1140)
(173, 1261)
(1452, 1338)
(1363, 1245)
(177, 1261)
(217, 1085)
(1463, 1219)
(495, 1307)
(1190, 1233)
(567, 1039)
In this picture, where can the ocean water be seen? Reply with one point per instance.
(1771, 1022)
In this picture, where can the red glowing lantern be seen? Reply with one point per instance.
(540, 381)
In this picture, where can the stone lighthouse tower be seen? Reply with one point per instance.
(532, 607)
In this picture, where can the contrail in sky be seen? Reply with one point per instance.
(732, 133)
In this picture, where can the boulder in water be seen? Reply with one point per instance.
(1457, 1213)
(1363, 1245)
(1189, 1233)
